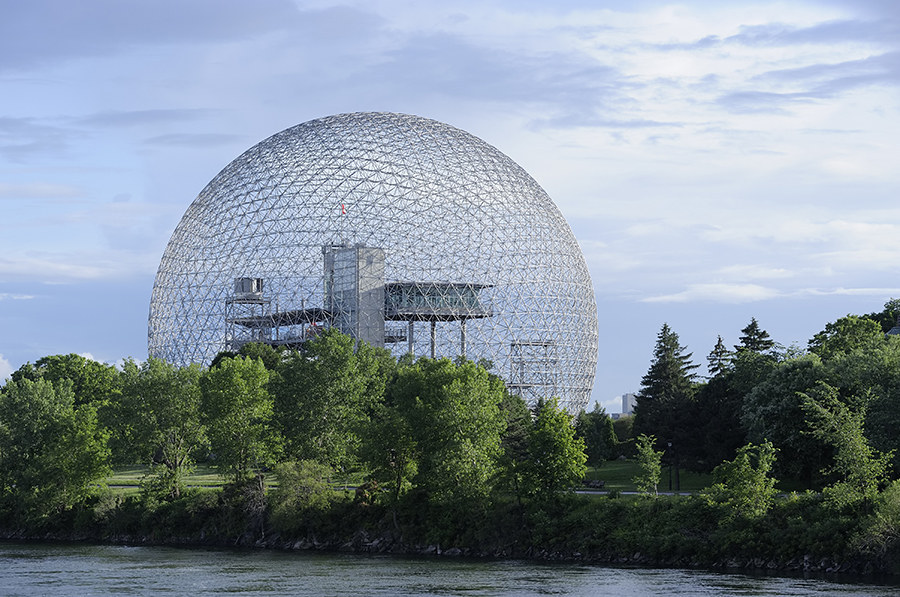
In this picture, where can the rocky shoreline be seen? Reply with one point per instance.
(364, 543)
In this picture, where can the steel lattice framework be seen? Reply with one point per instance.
(402, 231)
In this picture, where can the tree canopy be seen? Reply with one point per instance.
(53, 453)
(754, 339)
(446, 429)
(91, 380)
(238, 412)
(846, 335)
(666, 389)
(557, 458)
(325, 393)
(161, 405)
(595, 428)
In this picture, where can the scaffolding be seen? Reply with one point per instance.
(534, 370)
(248, 314)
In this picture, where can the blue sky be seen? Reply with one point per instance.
(717, 160)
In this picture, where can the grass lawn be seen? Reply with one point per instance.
(617, 474)
(127, 479)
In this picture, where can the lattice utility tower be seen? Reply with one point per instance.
(400, 231)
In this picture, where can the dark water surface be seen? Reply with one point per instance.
(75, 569)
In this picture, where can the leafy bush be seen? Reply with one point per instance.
(744, 488)
(304, 492)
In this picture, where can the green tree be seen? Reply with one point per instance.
(755, 339)
(773, 410)
(162, 403)
(846, 335)
(886, 318)
(91, 380)
(514, 443)
(595, 428)
(326, 393)
(670, 376)
(749, 369)
(391, 451)
(719, 359)
(53, 454)
(744, 487)
(860, 469)
(664, 402)
(881, 377)
(268, 354)
(623, 428)
(237, 411)
(719, 405)
(716, 420)
(649, 465)
(304, 491)
(445, 429)
(556, 455)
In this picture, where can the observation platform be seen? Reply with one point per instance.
(434, 301)
(291, 317)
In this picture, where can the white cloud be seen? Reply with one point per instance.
(874, 292)
(77, 265)
(610, 405)
(5, 369)
(736, 294)
(718, 293)
(38, 190)
(754, 272)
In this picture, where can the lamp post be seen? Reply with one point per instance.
(669, 444)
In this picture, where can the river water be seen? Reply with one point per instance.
(75, 570)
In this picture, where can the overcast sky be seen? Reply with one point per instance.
(717, 161)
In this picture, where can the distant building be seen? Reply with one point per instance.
(628, 402)
(894, 331)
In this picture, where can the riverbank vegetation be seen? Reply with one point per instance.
(788, 455)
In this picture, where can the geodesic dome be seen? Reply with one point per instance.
(399, 230)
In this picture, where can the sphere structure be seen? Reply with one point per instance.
(401, 231)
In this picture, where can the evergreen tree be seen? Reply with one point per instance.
(716, 423)
(596, 429)
(719, 359)
(755, 339)
(670, 374)
(666, 389)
